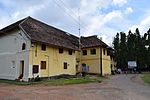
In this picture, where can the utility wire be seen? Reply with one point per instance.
(66, 9)
(62, 8)
(76, 16)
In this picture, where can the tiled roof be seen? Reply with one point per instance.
(92, 41)
(12, 26)
(41, 32)
(46, 34)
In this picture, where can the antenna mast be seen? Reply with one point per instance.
(79, 28)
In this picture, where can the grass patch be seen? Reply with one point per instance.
(146, 78)
(14, 82)
(64, 81)
(57, 82)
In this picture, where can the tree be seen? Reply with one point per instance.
(132, 47)
(123, 51)
(116, 46)
(148, 49)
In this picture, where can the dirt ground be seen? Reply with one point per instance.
(118, 87)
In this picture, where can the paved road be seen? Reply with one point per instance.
(129, 87)
(118, 87)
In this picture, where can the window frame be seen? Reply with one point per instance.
(93, 51)
(61, 50)
(65, 65)
(70, 52)
(43, 47)
(35, 71)
(84, 52)
(108, 52)
(23, 46)
(104, 51)
(43, 65)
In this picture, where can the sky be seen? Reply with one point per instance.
(103, 18)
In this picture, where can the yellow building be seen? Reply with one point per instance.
(95, 55)
(30, 49)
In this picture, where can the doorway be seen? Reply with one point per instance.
(21, 69)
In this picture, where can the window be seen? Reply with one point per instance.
(23, 46)
(108, 52)
(84, 52)
(13, 64)
(70, 52)
(61, 50)
(65, 65)
(93, 51)
(35, 69)
(43, 64)
(111, 58)
(104, 51)
(43, 47)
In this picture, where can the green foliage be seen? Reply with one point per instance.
(14, 82)
(132, 47)
(61, 81)
(146, 78)
(64, 81)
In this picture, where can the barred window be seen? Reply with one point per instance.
(43, 47)
(70, 52)
(43, 64)
(93, 51)
(35, 69)
(84, 52)
(65, 65)
(61, 50)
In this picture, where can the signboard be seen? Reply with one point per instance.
(132, 64)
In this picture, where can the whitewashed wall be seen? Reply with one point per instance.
(11, 54)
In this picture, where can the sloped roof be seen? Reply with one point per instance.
(92, 41)
(46, 34)
(12, 26)
(43, 33)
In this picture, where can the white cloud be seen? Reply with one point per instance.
(129, 10)
(119, 3)
(143, 26)
(16, 10)
(98, 25)
(93, 20)
(89, 7)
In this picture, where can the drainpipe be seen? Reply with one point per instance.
(101, 69)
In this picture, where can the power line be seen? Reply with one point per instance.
(76, 16)
(62, 8)
(65, 9)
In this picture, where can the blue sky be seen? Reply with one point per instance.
(98, 17)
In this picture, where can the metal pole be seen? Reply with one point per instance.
(79, 39)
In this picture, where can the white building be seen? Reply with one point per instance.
(14, 51)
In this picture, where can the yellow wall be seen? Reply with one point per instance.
(78, 63)
(113, 62)
(106, 62)
(93, 61)
(54, 60)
